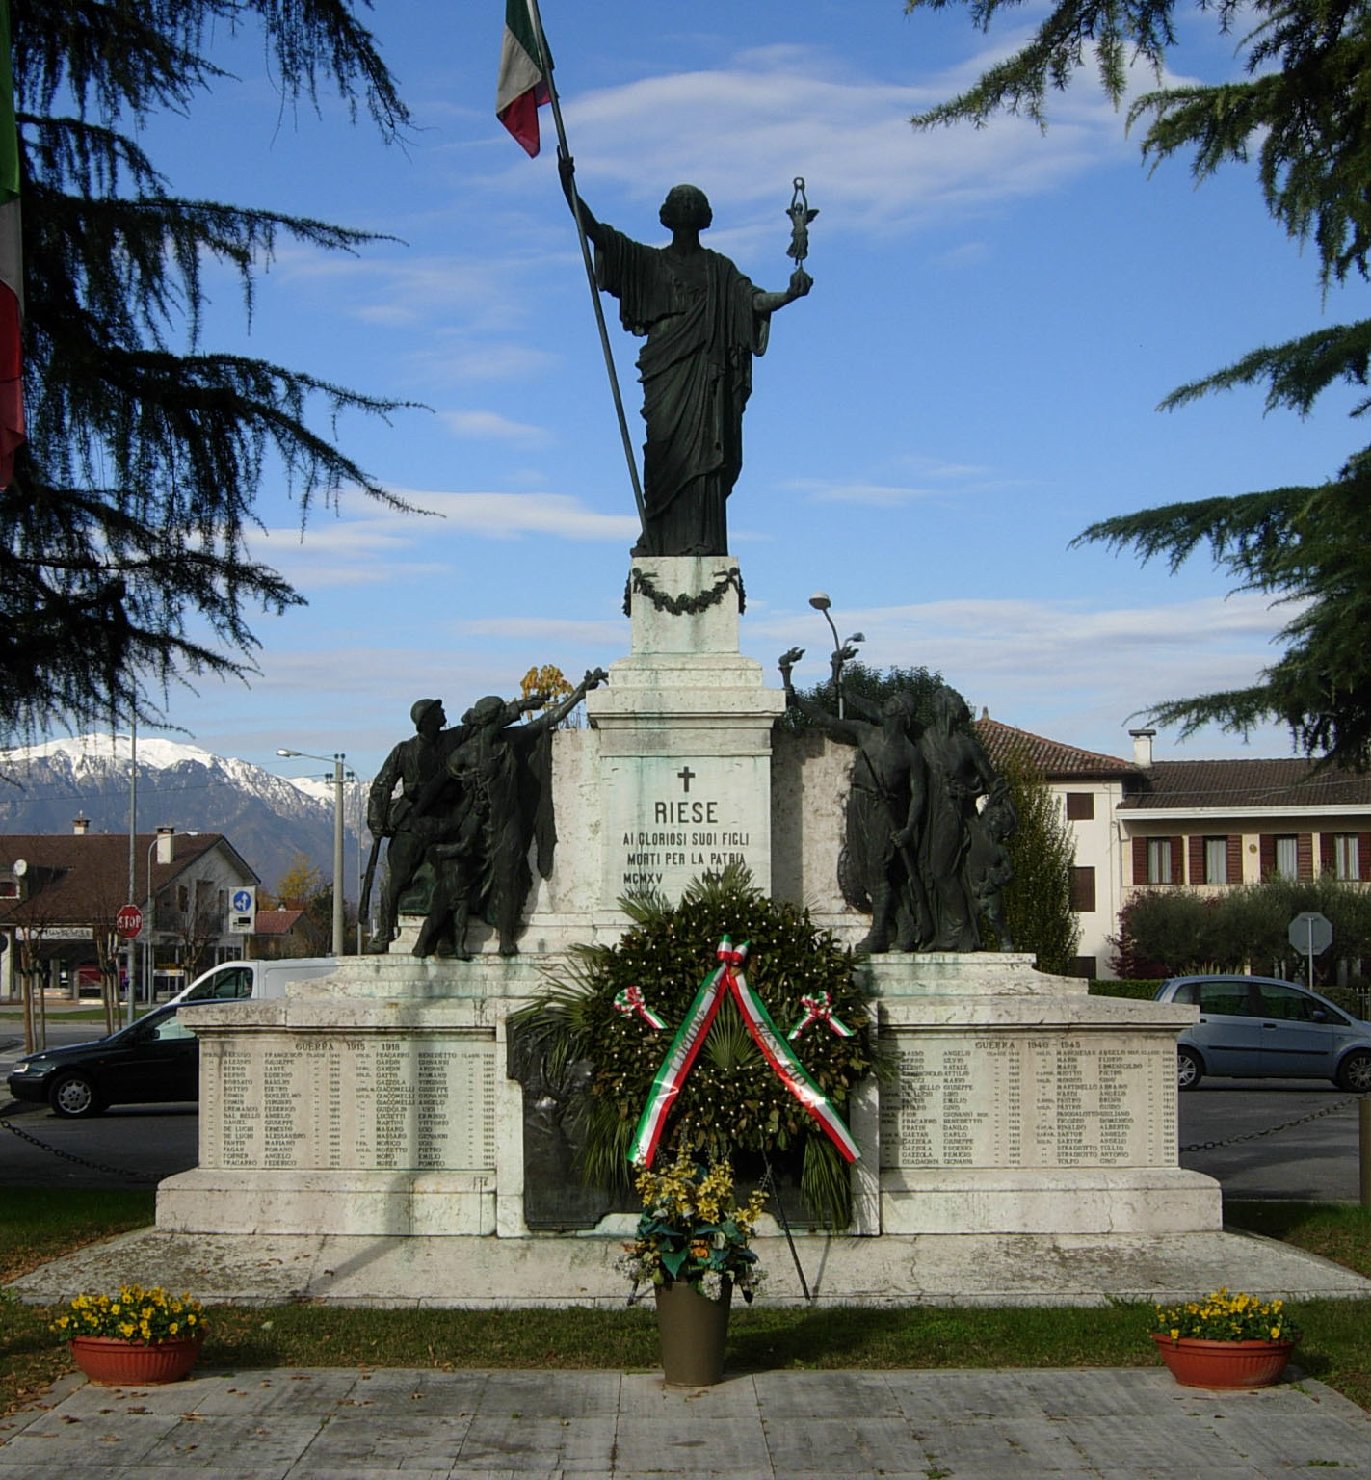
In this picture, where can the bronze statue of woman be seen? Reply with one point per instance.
(703, 322)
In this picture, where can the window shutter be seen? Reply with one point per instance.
(1177, 859)
(1235, 858)
(1083, 889)
(1364, 855)
(1080, 806)
(1304, 854)
(1196, 851)
(1140, 860)
(1267, 846)
(1328, 859)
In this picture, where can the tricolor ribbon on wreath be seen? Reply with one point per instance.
(728, 980)
(631, 1000)
(819, 1009)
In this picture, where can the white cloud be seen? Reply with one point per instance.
(1059, 668)
(407, 289)
(548, 630)
(453, 356)
(492, 426)
(343, 551)
(876, 495)
(744, 129)
(510, 515)
(391, 546)
(936, 480)
(968, 255)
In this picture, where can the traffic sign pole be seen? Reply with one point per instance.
(1311, 933)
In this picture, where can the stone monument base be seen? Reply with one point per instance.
(897, 1270)
(379, 1102)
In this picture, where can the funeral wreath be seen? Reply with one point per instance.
(727, 1026)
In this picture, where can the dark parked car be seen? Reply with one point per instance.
(1255, 1027)
(155, 1059)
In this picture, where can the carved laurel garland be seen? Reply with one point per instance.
(641, 584)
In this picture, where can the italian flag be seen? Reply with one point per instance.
(11, 268)
(522, 88)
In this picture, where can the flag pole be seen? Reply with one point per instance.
(545, 60)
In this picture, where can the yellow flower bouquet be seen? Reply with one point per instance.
(132, 1313)
(689, 1232)
(1221, 1316)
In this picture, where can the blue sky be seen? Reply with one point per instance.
(995, 316)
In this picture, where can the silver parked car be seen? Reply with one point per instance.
(1254, 1027)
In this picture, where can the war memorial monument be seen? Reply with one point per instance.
(394, 1100)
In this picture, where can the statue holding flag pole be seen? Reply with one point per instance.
(703, 321)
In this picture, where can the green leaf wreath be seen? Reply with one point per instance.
(732, 1106)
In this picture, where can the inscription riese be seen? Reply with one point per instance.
(331, 1102)
(1007, 1101)
(668, 820)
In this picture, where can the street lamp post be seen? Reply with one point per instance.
(163, 844)
(337, 759)
(357, 791)
(844, 651)
(132, 957)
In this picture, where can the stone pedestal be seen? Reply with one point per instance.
(378, 1101)
(1018, 1103)
(684, 731)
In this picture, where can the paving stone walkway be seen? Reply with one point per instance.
(322, 1424)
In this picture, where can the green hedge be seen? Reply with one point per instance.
(1143, 991)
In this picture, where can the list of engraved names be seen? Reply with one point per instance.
(365, 1103)
(1002, 1100)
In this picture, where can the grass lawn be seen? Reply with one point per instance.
(1336, 1348)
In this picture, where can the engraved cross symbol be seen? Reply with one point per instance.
(687, 776)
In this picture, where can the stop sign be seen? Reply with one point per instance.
(128, 923)
(1311, 933)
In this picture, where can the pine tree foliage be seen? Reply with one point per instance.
(1037, 902)
(1302, 115)
(123, 556)
(875, 685)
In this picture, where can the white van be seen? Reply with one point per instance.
(232, 981)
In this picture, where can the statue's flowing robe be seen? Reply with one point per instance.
(958, 773)
(702, 330)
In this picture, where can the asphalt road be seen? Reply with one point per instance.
(128, 1146)
(1261, 1139)
(1297, 1139)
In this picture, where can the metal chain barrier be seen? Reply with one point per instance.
(81, 1161)
(1271, 1130)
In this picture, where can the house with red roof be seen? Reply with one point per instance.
(60, 894)
(1208, 825)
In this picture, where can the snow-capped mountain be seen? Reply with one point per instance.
(269, 820)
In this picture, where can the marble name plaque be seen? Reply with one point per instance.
(1005, 1100)
(669, 819)
(364, 1102)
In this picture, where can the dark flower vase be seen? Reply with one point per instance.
(694, 1330)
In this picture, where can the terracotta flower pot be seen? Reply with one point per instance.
(1195, 1362)
(110, 1361)
(693, 1331)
